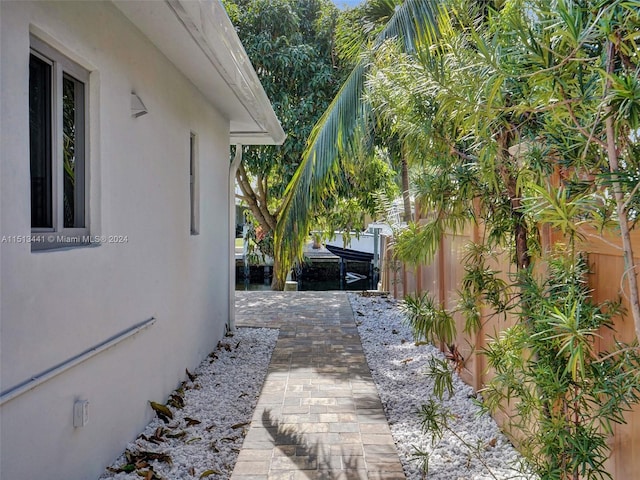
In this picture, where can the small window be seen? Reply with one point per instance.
(193, 184)
(57, 141)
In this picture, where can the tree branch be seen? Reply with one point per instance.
(250, 197)
(617, 352)
(614, 168)
(262, 203)
(590, 137)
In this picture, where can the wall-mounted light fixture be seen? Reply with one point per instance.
(137, 107)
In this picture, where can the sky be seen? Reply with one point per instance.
(347, 3)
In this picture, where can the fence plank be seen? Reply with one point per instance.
(442, 277)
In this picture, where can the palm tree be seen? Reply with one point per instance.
(344, 125)
(373, 16)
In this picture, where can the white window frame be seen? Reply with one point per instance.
(58, 235)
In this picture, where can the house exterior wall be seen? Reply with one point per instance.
(56, 304)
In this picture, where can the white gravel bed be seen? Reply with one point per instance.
(398, 367)
(205, 436)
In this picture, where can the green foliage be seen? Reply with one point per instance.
(290, 44)
(341, 131)
(568, 393)
(483, 285)
(259, 242)
(428, 321)
(434, 419)
(516, 114)
(356, 191)
(422, 457)
(563, 392)
(560, 209)
(509, 97)
(440, 372)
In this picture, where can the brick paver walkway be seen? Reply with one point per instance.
(319, 415)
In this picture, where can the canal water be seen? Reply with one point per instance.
(317, 275)
(311, 285)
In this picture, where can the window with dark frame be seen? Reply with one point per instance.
(57, 142)
(40, 142)
(193, 185)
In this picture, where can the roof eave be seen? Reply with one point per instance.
(204, 46)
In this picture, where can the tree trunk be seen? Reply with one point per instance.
(520, 231)
(614, 168)
(277, 283)
(406, 196)
(256, 203)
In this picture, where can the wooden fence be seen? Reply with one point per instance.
(442, 279)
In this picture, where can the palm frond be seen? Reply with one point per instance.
(345, 123)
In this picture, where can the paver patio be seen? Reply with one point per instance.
(319, 415)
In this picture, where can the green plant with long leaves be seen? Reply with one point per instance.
(354, 34)
(293, 47)
(569, 393)
(585, 63)
(428, 321)
(558, 391)
(507, 99)
(437, 420)
(461, 115)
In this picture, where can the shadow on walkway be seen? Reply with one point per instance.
(319, 415)
(308, 456)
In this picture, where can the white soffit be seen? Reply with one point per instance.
(199, 39)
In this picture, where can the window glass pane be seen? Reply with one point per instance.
(40, 142)
(72, 151)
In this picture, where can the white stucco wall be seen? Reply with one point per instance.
(56, 304)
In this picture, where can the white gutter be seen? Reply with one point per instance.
(233, 168)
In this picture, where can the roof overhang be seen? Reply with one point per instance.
(199, 39)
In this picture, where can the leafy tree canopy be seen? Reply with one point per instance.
(292, 46)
